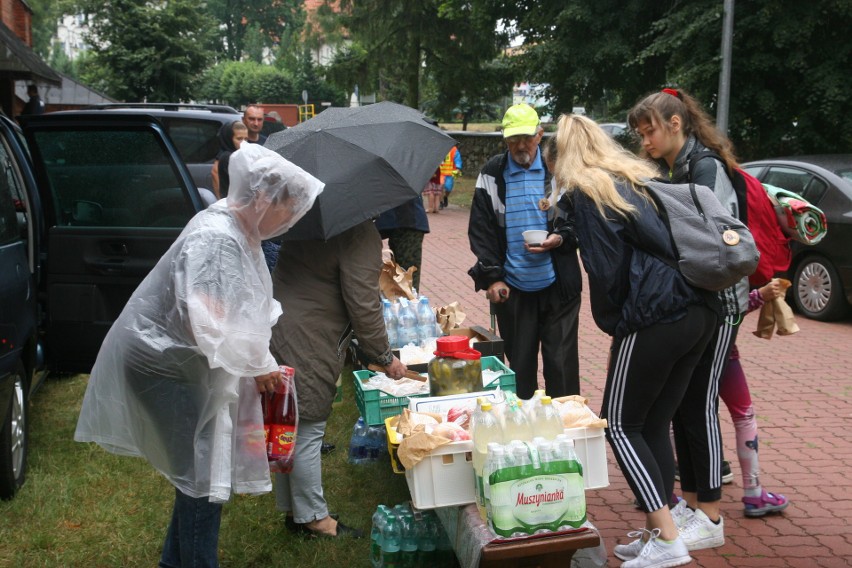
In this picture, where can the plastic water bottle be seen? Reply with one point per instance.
(358, 443)
(408, 544)
(496, 460)
(486, 430)
(391, 323)
(376, 536)
(426, 321)
(391, 542)
(516, 425)
(407, 323)
(546, 421)
(427, 542)
(376, 443)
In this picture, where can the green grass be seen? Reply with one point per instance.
(462, 193)
(82, 506)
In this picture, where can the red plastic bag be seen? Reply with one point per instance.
(280, 422)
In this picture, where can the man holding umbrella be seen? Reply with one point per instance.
(534, 290)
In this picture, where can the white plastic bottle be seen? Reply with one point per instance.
(486, 430)
(546, 420)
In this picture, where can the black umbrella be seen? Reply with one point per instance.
(370, 158)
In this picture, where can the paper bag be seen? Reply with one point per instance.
(776, 314)
(450, 317)
(395, 282)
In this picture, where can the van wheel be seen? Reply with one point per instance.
(818, 291)
(13, 438)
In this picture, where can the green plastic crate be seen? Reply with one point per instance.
(376, 405)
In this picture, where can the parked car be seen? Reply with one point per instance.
(19, 340)
(89, 202)
(821, 274)
(194, 129)
(614, 129)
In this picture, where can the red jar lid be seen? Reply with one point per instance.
(457, 346)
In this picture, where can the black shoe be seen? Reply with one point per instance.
(301, 529)
(327, 448)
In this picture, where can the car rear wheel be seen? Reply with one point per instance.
(817, 290)
(13, 439)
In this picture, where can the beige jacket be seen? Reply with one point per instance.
(323, 287)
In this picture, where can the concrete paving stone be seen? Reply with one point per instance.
(800, 385)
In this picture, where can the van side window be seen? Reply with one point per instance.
(113, 178)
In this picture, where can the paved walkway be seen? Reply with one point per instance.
(801, 386)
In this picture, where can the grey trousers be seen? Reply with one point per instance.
(300, 490)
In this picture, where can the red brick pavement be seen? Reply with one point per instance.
(801, 387)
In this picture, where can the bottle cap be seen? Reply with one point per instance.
(546, 400)
(486, 406)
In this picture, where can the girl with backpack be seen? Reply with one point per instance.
(660, 325)
(673, 127)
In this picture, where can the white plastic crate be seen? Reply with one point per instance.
(590, 447)
(444, 478)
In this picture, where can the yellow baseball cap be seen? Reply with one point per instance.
(520, 119)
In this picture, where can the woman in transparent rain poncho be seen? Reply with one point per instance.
(178, 377)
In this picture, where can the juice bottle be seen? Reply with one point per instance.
(279, 423)
(546, 420)
(516, 424)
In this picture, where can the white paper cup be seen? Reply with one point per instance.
(534, 238)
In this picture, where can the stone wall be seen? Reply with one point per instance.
(477, 147)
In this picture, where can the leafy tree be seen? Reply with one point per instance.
(238, 83)
(45, 20)
(147, 49)
(585, 50)
(394, 41)
(789, 70)
(248, 26)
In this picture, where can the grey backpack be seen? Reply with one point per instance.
(715, 250)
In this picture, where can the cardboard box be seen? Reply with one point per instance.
(485, 341)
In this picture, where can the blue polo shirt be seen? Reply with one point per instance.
(524, 189)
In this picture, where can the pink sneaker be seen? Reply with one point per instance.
(766, 503)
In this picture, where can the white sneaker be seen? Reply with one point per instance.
(681, 514)
(632, 550)
(700, 532)
(659, 554)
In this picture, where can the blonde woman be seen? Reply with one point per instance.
(660, 325)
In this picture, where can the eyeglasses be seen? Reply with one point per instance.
(522, 140)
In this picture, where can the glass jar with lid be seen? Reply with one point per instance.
(456, 368)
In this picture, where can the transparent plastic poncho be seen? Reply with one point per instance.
(173, 381)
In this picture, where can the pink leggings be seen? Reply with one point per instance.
(733, 390)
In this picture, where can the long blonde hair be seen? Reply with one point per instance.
(589, 160)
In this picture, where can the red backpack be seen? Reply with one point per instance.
(762, 221)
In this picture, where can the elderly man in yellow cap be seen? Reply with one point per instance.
(534, 287)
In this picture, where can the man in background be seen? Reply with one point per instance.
(35, 105)
(253, 119)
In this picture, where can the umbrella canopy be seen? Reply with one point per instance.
(370, 158)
